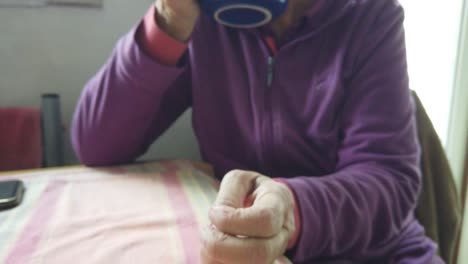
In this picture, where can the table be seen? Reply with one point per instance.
(142, 213)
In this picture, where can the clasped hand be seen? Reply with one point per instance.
(252, 221)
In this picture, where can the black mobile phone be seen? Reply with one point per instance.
(11, 193)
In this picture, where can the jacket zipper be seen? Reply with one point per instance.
(271, 64)
(268, 133)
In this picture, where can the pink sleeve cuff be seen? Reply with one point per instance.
(157, 43)
(297, 217)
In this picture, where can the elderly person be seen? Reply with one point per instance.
(308, 121)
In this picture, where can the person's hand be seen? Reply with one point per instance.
(258, 233)
(282, 260)
(177, 17)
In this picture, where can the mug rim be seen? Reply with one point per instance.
(265, 11)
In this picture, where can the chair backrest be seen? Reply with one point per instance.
(30, 137)
(20, 138)
(438, 207)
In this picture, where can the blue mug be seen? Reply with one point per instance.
(243, 13)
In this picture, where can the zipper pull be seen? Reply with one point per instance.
(271, 64)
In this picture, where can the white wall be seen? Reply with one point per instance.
(432, 33)
(457, 137)
(457, 143)
(57, 49)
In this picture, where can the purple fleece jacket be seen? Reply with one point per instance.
(331, 114)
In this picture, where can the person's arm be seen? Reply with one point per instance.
(133, 99)
(361, 208)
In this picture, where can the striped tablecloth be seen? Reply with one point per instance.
(146, 213)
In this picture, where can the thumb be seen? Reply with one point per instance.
(282, 260)
(235, 188)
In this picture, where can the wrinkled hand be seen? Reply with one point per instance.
(177, 17)
(258, 233)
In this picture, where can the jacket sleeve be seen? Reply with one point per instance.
(358, 210)
(130, 102)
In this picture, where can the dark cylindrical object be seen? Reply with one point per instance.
(52, 131)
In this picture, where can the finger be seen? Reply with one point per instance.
(205, 259)
(230, 249)
(282, 260)
(235, 187)
(263, 219)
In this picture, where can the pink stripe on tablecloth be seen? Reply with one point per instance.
(185, 216)
(32, 234)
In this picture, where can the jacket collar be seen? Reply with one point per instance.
(318, 16)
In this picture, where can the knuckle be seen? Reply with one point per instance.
(284, 193)
(224, 223)
(227, 201)
(213, 246)
(211, 249)
(287, 195)
(269, 219)
(260, 254)
(233, 176)
(241, 175)
(233, 173)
